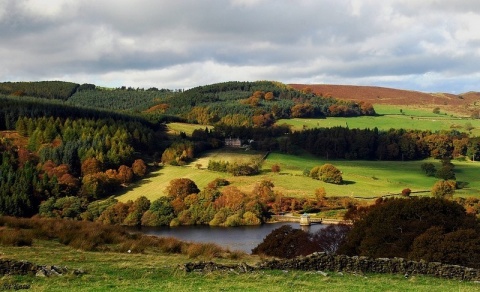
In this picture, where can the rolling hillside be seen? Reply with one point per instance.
(462, 103)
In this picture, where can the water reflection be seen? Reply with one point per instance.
(243, 238)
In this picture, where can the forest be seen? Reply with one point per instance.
(84, 143)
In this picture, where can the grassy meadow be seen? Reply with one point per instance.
(391, 117)
(177, 128)
(107, 271)
(364, 179)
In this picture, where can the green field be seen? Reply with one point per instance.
(107, 271)
(176, 128)
(365, 179)
(390, 117)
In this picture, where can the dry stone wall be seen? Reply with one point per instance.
(14, 267)
(323, 261)
(341, 263)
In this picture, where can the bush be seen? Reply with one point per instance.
(16, 237)
(428, 168)
(206, 250)
(406, 192)
(285, 242)
(218, 182)
(443, 189)
(327, 173)
(391, 227)
(460, 247)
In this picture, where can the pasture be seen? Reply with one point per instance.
(177, 128)
(157, 271)
(391, 117)
(363, 179)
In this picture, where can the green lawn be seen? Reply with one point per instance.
(107, 271)
(367, 179)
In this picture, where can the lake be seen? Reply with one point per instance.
(243, 238)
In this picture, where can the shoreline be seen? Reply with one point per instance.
(293, 219)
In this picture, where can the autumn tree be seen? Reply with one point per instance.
(181, 188)
(139, 168)
(91, 166)
(269, 96)
(443, 189)
(302, 110)
(321, 195)
(125, 174)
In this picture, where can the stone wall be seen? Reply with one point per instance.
(14, 267)
(323, 261)
(341, 263)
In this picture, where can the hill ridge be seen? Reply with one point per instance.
(465, 102)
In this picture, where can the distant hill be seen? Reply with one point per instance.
(464, 103)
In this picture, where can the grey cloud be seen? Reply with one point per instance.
(298, 40)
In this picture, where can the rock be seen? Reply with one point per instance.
(41, 273)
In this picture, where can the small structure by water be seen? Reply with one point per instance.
(305, 220)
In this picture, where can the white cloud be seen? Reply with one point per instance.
(403, 43)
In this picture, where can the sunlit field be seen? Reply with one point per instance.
(363, 179)
(390, 117)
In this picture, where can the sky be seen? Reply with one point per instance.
(427, 45)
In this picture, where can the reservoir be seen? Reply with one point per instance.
(243, 238)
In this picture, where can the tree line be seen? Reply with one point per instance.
(394, 144)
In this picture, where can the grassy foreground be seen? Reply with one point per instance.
(158, 272)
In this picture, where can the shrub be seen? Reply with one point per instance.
(460, 247)
(220, 166)
(428, 168)
(406, 192)
(16, 237)
(206, 250)
(276, 168)
(443, 189)
(218, 182)
(285, 242)
(327, 173)
(389, 228)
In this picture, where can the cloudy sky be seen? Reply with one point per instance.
(427, 45)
